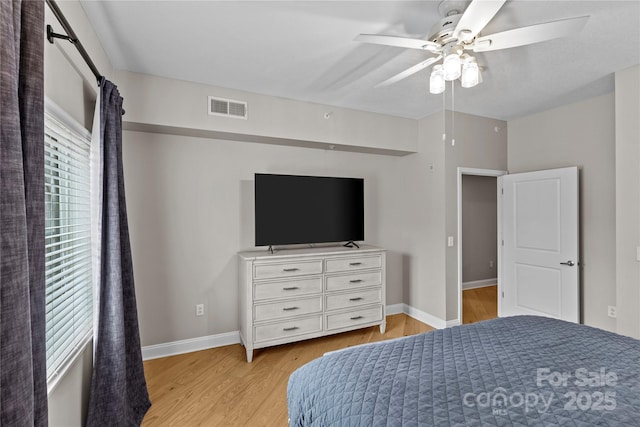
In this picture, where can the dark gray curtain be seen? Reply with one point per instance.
(23, 376)
(118, 388)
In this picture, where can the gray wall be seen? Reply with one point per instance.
(190, 205)
(159, 103)
(627, 217)
(479, 228)
(71, 85)
(580, 134)
(422, 192)
(407, 187)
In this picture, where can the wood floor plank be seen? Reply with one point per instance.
(479, 304)
(217, 387)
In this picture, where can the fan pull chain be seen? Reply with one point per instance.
(444, 117)
(453, 114)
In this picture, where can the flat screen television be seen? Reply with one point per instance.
(292, 209)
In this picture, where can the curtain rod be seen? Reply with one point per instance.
(71, 37)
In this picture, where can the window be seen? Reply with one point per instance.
(69, 300)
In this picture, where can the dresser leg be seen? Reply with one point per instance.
(383, 326)
(249, 355)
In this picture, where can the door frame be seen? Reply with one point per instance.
(477, 172)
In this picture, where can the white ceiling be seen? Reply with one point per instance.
(304, 50)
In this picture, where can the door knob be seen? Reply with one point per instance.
(569, 263)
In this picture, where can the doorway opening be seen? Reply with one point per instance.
(478, 263)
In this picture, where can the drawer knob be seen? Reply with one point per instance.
(356, 299)
(290, 288)
(289, 308)
(354, 264)
(289, 270)
(355, 281)
(293, 328)
(357, 318)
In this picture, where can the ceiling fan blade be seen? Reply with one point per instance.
(410, 71)
(476, 17)
(399, 41)
(529, 35)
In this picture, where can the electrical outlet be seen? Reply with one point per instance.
(611, 311)
(490, 264)
(199, 309)
(450, 241)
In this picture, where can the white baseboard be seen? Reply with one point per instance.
(422, 316)
(479, 283)
(454, 322)
(187, 346)
(425, 317)
(395, 309)
(219, 340)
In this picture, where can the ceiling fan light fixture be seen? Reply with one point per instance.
(451, 66)
(436, 81)
(470, 74)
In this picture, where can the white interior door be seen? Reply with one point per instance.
(540, 272)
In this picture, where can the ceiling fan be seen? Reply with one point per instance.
(458, 32)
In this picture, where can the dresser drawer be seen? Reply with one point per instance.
(288, 288)
(278, 310)
(351, 281)
(355, 263)
(289, 328)
(289, 269)
(353, 299)
(354, 318)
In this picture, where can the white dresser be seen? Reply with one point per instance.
(297, 294)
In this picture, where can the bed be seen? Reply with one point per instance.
(521, 370)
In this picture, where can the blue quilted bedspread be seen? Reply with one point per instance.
(522, 371)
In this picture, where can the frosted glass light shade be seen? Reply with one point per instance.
(470, 74)
(451, 66)
(436, 81)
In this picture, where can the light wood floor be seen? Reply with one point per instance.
(479, 304)
(218, 387)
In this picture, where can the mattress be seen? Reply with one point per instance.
(521, 370)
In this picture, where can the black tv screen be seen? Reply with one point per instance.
(291, 209)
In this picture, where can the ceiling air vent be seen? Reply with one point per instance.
(227, 108)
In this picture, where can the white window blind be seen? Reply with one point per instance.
(69, 299)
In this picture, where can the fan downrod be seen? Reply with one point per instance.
(448, 8)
